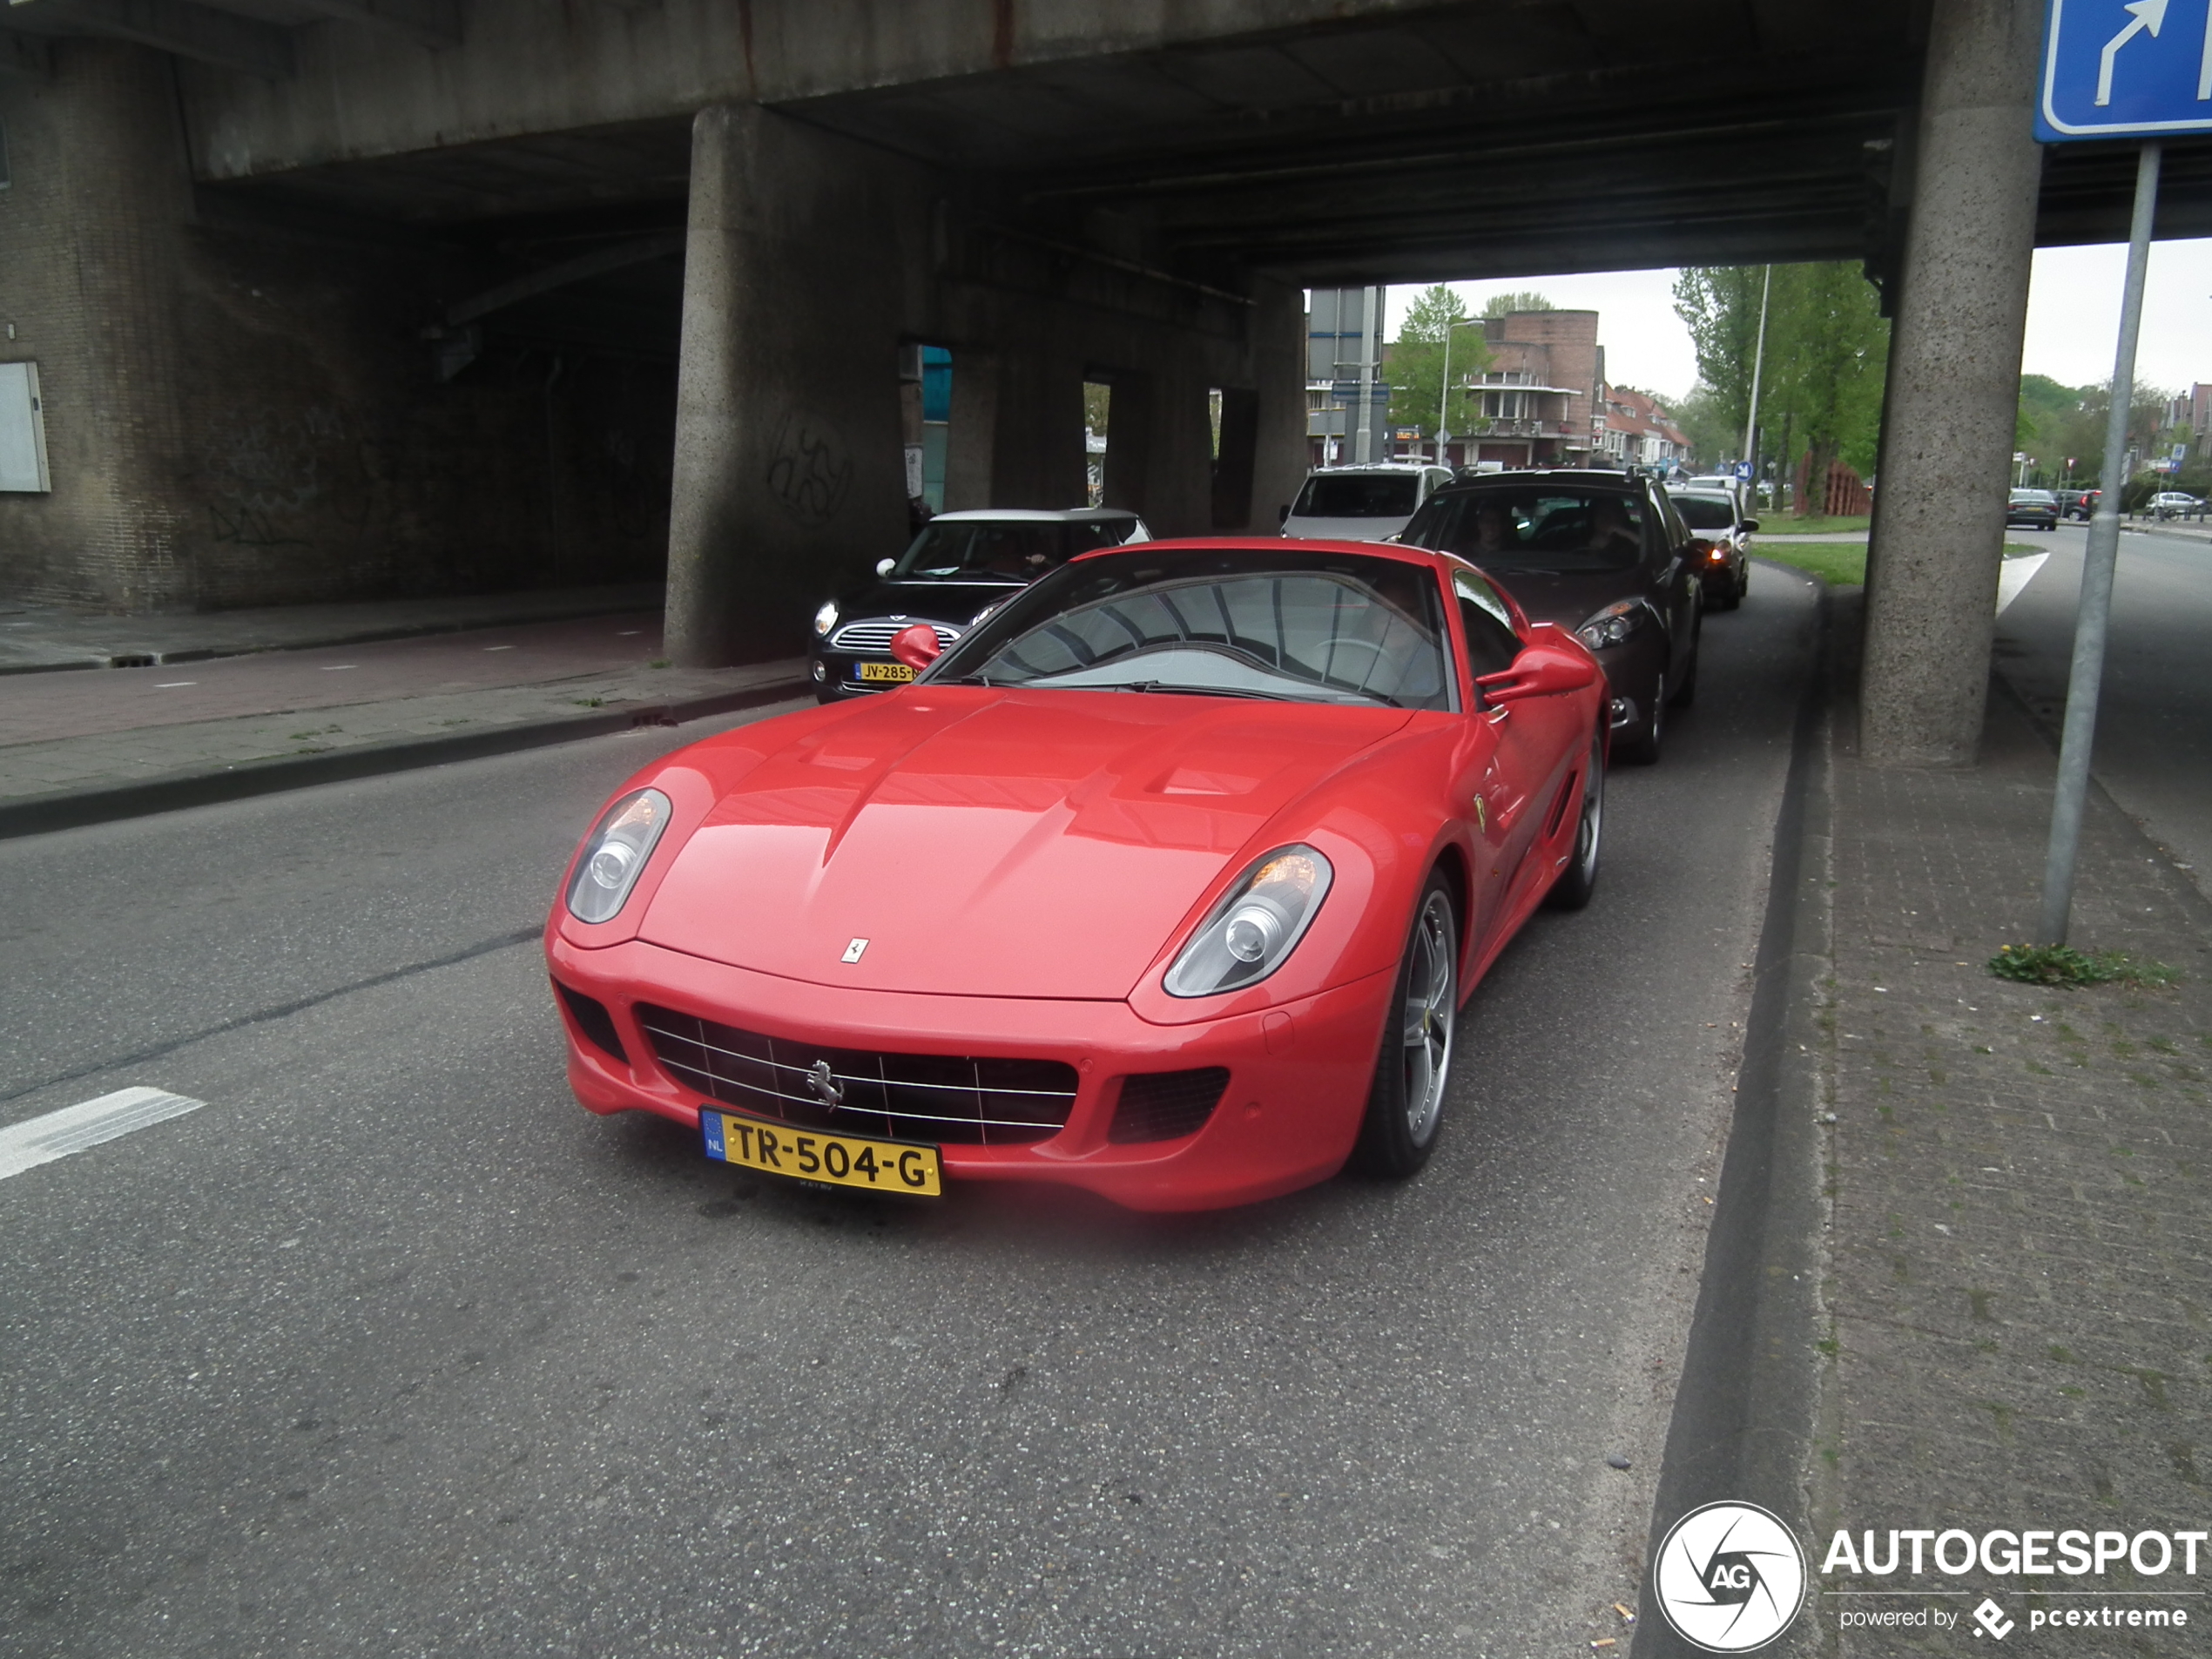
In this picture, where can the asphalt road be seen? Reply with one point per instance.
(391, 1348)
(2153, 751)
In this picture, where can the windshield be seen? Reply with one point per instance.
(1534, 528)
(1706, 512)
(1300, 627)
(1356, 495)
(972, 550)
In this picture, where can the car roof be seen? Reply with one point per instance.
(1728, 495)
(1376, 466)
(1034, 515)
(1301, 546)
(1580, 477)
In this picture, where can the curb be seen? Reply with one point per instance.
(74, 809)
(323, 642)
(1747, 1404)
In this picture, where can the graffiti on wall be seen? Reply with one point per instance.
(810, 471)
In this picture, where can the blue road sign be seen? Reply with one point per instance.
(1744, 470)
(2124, 69)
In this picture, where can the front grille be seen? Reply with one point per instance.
(1166, 1105)
(878, 635)
(902, 1096)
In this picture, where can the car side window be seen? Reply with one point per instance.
(1492, 644)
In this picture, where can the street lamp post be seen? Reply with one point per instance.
(1443, 397)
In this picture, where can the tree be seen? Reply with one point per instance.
(1504, 304)
(1713, 435)
(1417, 360)
(1826, 358)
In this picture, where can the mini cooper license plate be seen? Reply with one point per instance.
(897, 673)
(808, 1154)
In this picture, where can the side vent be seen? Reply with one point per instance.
(1166, 1105)
(592, 1018)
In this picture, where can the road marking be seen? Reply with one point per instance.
(338, 668)
(2016, 575)
(172, 685)
(57, 1135)
(499, 648)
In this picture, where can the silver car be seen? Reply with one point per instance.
(1361, 503)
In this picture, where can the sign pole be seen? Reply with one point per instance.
(2096, 579)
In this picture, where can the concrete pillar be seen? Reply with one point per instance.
(1279, 369)
(1159, 453)
(91, 235)
(1037, 446)
(1953, 389)
(971, 442)
(789, 478)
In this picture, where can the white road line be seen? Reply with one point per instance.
(41, 1140)
(2015, 575)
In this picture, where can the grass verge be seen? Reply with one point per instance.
(1842, 564)
(2062, 964)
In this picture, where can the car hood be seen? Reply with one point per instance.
(1031, 844)
(1570, 601)
(953, 602)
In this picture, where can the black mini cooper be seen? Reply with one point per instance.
(961, 565)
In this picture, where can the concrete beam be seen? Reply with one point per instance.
(199, 32)
(580, 269)
(434, 24)
(1953, 393)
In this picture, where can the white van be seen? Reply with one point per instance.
(1361, 503)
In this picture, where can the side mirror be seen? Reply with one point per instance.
(1550, 662)
(883, 566)
(1282, 515)
(917, 646)
(1749, 524)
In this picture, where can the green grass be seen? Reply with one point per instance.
(2063, 965)
(1843, 563)
(1781, 521)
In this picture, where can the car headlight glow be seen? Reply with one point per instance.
(1614, 623)
(826, 619)
(1252, 931)
(615, 854)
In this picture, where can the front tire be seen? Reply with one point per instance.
(1579, 879)
(1406, 1104)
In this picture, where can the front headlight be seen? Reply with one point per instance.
(826, 619)
(1614, 623)
(1252, 932)
(615, 854)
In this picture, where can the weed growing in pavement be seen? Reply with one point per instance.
(2063, 965)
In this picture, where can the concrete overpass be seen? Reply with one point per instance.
(338, 297)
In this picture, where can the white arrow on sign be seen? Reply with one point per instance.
(2204, 72)
(2148, 14)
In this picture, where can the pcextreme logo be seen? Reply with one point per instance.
(1729, 1578)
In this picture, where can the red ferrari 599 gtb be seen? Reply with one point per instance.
(1168, 881)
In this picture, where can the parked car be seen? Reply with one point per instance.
(1716, 518)
(957, 568)
(1361, 503)
(2078, 503)
(2174, 503)
(2036, 509)
(1604, 555)
(1167, 881)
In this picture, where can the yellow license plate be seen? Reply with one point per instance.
(808, 1154)
(898, 672)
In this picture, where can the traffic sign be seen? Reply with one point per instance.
(2124, 69)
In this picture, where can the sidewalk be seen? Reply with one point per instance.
(2019, 1271)
(312, 704)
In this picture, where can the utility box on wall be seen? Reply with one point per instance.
(22, 431)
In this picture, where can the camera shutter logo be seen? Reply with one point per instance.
(1729, 1578)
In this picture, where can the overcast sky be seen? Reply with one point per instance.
(2072, 317)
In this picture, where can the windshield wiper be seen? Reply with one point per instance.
(1171, 686)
